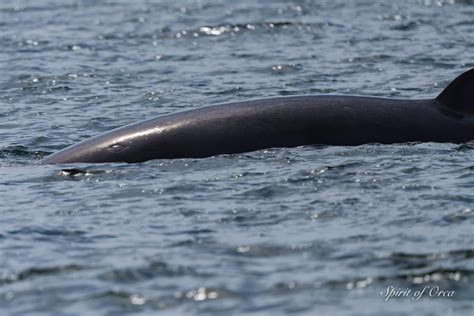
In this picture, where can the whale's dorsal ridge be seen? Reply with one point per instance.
(459, 94)
(246, 126)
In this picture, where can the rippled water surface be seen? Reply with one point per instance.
(308, 230)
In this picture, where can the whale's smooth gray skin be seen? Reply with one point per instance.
(285, 122)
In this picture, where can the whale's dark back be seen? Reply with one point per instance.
(285, 122)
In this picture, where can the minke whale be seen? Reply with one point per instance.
(285, 122)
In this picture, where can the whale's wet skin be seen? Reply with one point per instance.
(286, 122)
(306, 230)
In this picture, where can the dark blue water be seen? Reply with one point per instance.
(311, 230)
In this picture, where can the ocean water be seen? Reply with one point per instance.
(313, 230)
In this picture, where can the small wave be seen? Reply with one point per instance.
(405, 26)
(233, 29)
(456, 217)
(134, 301)
(38, 272)
(317, 249)
(268, 191)
(462, 276)
(77, 172)
(17, 152)
(47, 234)
(155, 269)
(465, 147)
(46, 231)
(453, 254)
